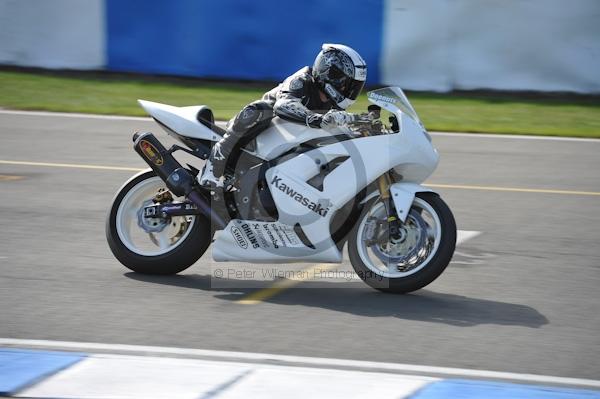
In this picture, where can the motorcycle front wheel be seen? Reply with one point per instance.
(411, 258)
(153, 245)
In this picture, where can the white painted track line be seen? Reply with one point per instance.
(288, 382)
(302, 361)
(463, 236)
(74, 115)
(221, 123)
(105, 376)
(134, 377)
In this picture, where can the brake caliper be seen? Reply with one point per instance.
(373, 230)
(163, 196)
(394, 227)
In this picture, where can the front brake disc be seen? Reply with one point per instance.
(419, 230)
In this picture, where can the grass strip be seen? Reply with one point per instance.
(486, 112)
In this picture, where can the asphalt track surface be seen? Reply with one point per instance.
(520, 297)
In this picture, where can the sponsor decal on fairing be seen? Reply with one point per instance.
(299, 197)
(239, 238)
(379, 97)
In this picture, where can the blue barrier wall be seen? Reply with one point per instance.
(439, 45)
(264, 40)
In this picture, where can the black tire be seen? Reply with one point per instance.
(172, 262)
(421, 278)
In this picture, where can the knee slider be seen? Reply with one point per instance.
(248, 116)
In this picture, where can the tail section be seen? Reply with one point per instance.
(182, 120)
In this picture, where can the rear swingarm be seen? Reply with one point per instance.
(172, 209)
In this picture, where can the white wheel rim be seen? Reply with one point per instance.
(376, 265)
(135, 238)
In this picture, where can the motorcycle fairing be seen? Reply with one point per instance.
(281, 136)
(268, 242)
(298, 203)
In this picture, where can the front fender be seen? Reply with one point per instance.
(403, 195)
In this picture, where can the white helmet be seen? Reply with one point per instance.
(341, 72)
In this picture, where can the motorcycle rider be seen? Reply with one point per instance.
(317, 97)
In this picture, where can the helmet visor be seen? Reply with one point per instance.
(344, 84)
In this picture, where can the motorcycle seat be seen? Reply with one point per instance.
(207, 118)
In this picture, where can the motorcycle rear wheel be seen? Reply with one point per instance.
(418, 255)
(153, 246)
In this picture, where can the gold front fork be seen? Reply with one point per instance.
(383, 184)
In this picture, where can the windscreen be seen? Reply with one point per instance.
(393, 99)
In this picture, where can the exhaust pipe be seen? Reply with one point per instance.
(178, 179)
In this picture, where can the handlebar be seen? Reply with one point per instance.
(363, 118)
(373, 113)
(368, 124)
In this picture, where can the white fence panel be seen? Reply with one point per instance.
(52, 34)
(546, 45)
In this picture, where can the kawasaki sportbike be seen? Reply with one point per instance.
(293, 194)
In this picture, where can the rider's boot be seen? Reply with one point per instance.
(212, 174)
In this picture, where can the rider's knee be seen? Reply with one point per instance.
(252, 114)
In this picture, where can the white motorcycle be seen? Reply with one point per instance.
(293, 194)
